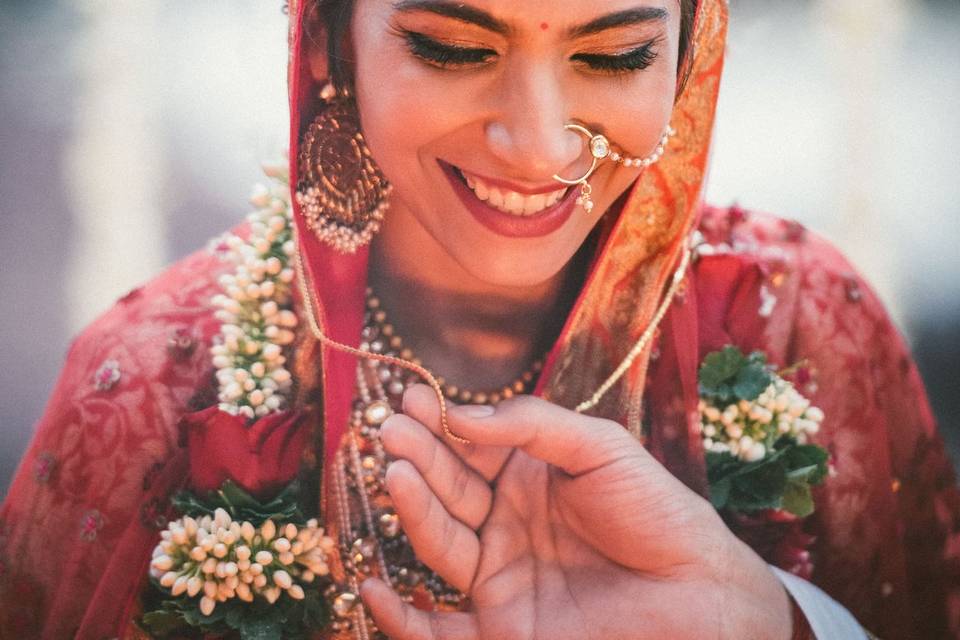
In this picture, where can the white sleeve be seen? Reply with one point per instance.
(827, 617)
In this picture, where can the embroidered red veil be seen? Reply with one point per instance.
(81, 517)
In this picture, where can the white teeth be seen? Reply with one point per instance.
(517, 204)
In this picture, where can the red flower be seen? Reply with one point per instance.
(261, 458)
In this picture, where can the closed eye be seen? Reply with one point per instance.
(633, 60)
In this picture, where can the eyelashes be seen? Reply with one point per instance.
(443, 55)
(633, 60)
(447, 56)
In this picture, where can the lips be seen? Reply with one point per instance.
(515, 222)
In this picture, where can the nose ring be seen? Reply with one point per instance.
(599, 149)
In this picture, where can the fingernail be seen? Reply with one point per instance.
(475, 410)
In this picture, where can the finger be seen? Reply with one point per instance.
(401, 621)
(440, 541)
(461, 490)
(571, 441)
(420, 403)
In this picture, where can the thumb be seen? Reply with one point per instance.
(565, 439)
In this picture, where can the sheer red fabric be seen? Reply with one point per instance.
(82, 514)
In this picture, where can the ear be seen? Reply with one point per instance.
(315, 45)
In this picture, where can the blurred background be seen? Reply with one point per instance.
(132, 132)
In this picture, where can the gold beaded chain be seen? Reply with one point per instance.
(381, 337)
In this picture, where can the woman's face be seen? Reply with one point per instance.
(463, 105)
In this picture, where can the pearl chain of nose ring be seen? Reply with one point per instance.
(601, 149)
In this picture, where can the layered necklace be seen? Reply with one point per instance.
(379, 336)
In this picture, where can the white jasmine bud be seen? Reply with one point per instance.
(219, 550)
(207, 605)
(194, 585)
(162, 563)
(286, 558)
(210, 589)
(281, 544)
(271, 594)
(168, 579)
(268, 530)
(296, 592)
(209, 566)
(282, 579)
(244, 593)
(264, 557)
(198, 554)
(814, 413)
(243, 552)
(260, 581)
(179, 585)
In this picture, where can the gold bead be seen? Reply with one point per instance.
(377, 412)
(373, 303)
(465, 396)
(343, 604)
(451, 391)
(480, 398)
(494, 398)
(406, 354)
(527, 376)
(379, 316)
(395, 341)
(518, 387)
(387, 330)
(507, 393)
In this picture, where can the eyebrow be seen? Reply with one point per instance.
(466, 13)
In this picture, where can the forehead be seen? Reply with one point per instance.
(574, 16)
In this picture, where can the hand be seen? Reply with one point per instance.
(582, 535)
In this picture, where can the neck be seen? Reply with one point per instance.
(474, 334)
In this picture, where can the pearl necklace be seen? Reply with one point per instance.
(379, 336)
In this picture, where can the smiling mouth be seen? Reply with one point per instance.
(506, 200)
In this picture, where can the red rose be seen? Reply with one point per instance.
(261, 458)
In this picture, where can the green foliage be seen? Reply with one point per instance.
(727, 376)
(781, 480)
(286, 619)
(285, 507)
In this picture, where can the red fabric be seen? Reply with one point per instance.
(81, 518)
(261, 458)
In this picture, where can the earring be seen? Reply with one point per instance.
(601, 149)
(341, 191)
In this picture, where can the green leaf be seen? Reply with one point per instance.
(797, 499)
(163, 623)
(720, 492)
(751, 381)
(802, 456)
(720, 366)
(266, 627)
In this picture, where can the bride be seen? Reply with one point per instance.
(482, 364)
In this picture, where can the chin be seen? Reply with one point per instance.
(529, 267)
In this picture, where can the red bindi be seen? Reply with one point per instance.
(544, 26)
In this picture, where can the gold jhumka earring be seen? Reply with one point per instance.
(341, 191)
(601, 149)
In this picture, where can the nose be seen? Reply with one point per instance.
(527, 131)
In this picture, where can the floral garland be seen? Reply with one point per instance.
(243, 557)
(256, 308)
(755, 428)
